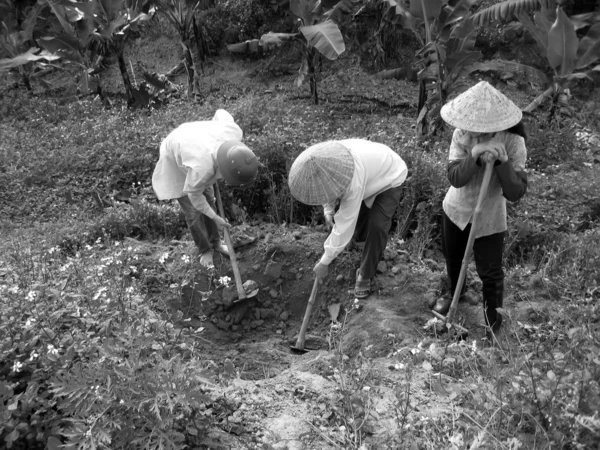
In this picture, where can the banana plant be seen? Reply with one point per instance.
(568, 57)
(106, 22)
(15, 42)
(448, 42)
(318, 34)
(508, 10)
(182, 15)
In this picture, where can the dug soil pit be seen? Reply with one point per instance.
(276, 396)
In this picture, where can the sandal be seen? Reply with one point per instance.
(362, 288)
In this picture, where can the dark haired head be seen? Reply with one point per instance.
(518, 129)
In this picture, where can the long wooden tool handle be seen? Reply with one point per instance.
(307, 313)
(236, 271)
(487, 175)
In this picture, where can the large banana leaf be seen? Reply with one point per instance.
(76, 10)
(506, 11)
(536, 32)
(61, 14)
(303, 9)
(425, 8)
(589, 48)
(27, 57)
(455, 11)
(326, 37)
(457, 60)
(544, 19)
(500, 65)
(562, 43)
(585, 20)
(341, 10)
(63, 46)
(462, 37)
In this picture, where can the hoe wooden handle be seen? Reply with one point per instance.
(307, 313)
(487, 175)
(236, 271)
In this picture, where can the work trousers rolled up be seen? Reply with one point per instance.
(373, 227)
(203, 229)
(488, 262)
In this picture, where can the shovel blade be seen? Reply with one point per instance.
(249, 295)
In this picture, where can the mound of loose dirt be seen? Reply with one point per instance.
(278, 396)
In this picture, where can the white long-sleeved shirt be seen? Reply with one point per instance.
(377, 168)
(188, 159)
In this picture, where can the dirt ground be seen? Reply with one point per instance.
(278, 395)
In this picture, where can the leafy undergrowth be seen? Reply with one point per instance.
(112, 336)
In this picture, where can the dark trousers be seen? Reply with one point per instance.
(373, 227)
(203, 229)
(488, 261)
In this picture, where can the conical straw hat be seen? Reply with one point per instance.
(481, 109)
(321, 173)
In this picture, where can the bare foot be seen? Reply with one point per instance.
(206, 260)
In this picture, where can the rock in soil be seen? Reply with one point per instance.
(273, 270)
(229, 295)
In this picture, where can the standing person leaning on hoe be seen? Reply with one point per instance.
(192, 158)
(488, 130)
(365, 177)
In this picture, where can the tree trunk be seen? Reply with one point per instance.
(422, 124)
(539, 100)
(25, 79)
(189, 67)
(118, 48)
(202, 50)
(312, 76)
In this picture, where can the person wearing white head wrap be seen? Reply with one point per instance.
(192, 158)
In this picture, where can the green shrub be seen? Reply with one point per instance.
(420, 211)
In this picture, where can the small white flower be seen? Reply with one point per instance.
(366, 388)
(99, 293)
(29, 323)
(185, 259)
(14, 290)
(133, 269)
(33, 355)
(52, 350)
(163, 257)
(31, 296)
(17, 367)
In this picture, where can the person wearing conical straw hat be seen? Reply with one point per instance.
(365, 178)
(192, 158)
(489, 130)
